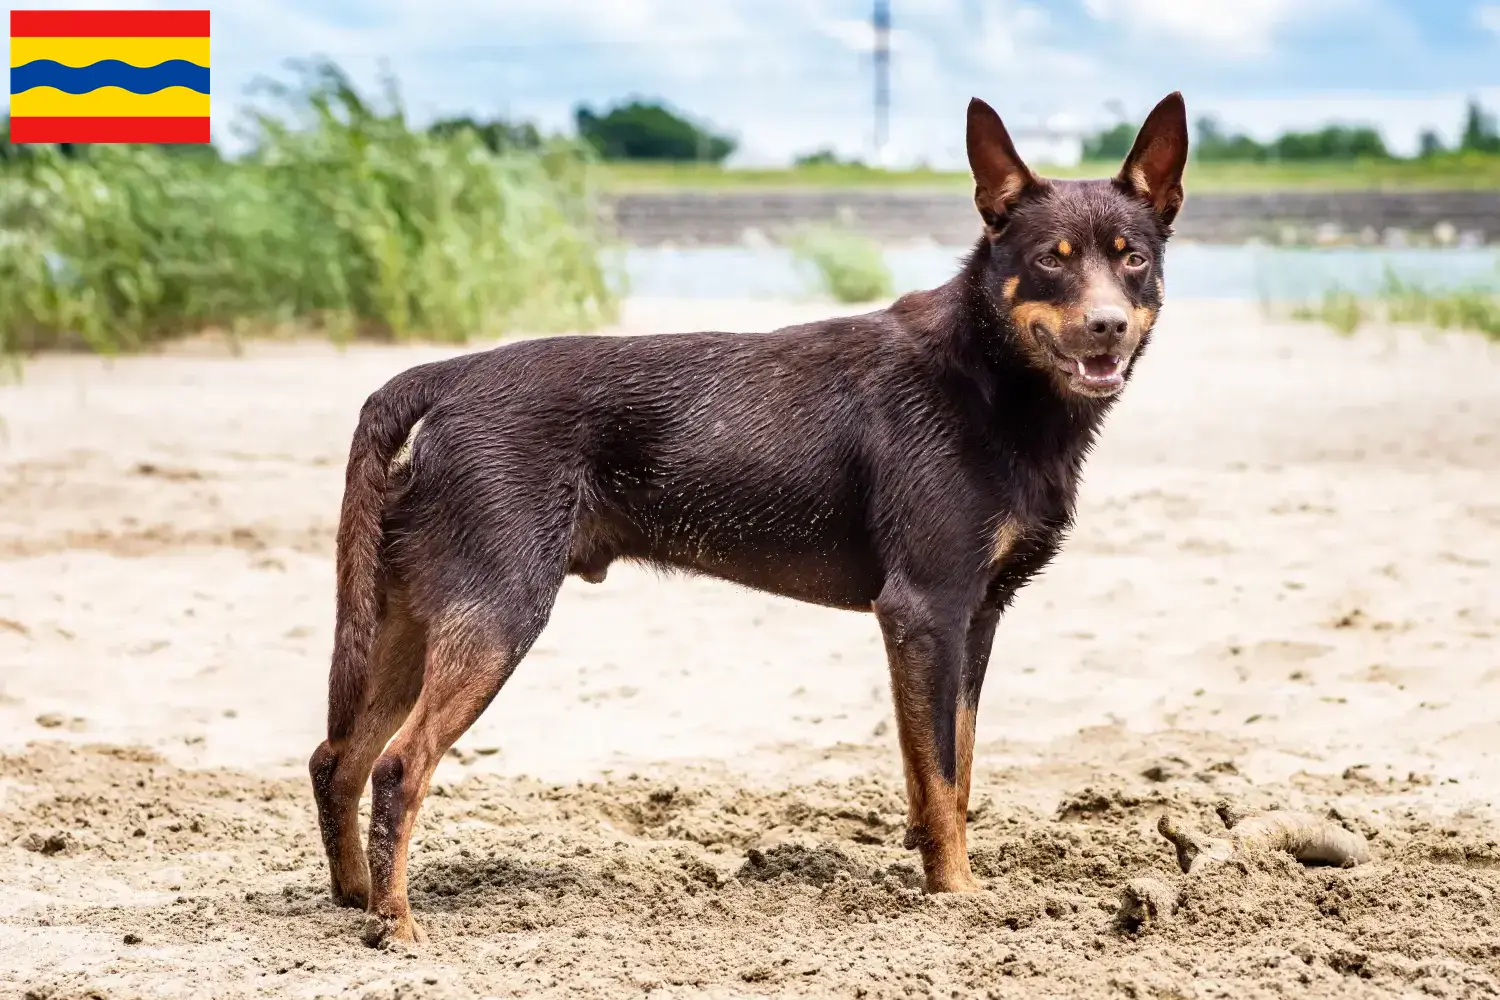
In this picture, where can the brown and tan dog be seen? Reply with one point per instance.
(920, 462)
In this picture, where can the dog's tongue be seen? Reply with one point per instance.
(1098, 366)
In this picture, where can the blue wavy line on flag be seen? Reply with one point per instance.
(109, 73)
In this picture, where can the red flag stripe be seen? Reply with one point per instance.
(109, 23)
(109, 130)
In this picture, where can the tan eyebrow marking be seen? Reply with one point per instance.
(1064, 248)
(1119, 243)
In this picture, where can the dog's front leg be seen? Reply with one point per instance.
(925, 639)
(981, 639)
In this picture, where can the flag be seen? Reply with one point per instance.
(109, 76)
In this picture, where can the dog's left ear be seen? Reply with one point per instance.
(1153, 170)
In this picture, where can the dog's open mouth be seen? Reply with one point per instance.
(1103, 371)
(1092, 375)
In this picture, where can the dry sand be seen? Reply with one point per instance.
(1281, 593)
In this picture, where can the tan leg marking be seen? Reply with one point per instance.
(460, 682)
(964, 772)
(340, 773)
(934, 823)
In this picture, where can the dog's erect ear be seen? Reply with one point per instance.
(999, 175)
(1153, 170)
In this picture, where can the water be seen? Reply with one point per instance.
(1194, 271)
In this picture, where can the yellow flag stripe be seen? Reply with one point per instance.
(109, 102)
(86, 51)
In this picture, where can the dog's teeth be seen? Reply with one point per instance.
(1083, 368)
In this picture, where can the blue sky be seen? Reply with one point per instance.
(788, 76)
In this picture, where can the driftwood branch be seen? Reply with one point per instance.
(1308, 838)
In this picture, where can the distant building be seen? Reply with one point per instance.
(1059, 147)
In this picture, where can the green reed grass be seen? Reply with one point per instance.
(1476, 307)
(850, 267)
(344, 220)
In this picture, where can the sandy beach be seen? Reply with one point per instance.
(1280, 594)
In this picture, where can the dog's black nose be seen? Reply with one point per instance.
(1106, 321)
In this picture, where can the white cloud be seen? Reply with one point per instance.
(787, 76)
(1487, 16)
(791, 76)
(859, 36)
(1236, 28)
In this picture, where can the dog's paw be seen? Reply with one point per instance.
(385, 932)
(940, 880)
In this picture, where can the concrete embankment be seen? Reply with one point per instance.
(734, 217)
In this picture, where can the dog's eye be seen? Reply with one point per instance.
(1135, 260)
(1048, 262)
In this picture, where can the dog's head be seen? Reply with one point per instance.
(1075, 267)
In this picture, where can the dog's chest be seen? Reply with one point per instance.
(1010, 531)
(1031, 518)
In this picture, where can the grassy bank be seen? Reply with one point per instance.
(1475, 308)
(1450, 172)
(849, 267)
(344, 220)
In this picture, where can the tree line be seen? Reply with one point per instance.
(633, 130)
(1213, 142)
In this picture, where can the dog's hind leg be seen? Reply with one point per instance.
(471, 652)
(341, 770)
(925, 644)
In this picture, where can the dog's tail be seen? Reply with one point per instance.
(385, 421)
